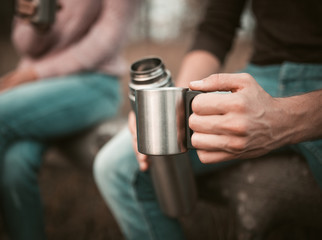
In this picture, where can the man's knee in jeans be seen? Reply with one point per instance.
(115, 161)
(105, 167)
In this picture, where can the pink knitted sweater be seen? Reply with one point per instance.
(87, 36)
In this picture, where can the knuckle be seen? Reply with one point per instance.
(239, 128)
(214, 76)
(245, 77)
(239, 104)
(238, 145)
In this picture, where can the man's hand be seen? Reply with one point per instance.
(245, 123)
(27, 8)
(141, 158)
(16, 78)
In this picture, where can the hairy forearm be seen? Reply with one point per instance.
(302, 117)
(196, 65)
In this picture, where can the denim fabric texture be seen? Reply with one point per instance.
(30, 116)
(129, 192)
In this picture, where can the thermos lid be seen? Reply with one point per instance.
(148, 72)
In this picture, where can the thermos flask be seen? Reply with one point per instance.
(171, 171)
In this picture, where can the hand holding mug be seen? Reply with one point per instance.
(244, 124)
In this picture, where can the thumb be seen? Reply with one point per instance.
(220, 82)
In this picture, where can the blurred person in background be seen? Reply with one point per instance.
(275, 102)
(67, 80)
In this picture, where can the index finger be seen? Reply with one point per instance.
(221, 82)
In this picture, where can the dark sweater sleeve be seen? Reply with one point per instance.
(216, 31)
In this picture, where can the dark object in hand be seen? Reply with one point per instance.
(40, 13)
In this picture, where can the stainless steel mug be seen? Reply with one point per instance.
(162, 120)
(172, 174)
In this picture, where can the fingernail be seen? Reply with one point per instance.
(196, 83)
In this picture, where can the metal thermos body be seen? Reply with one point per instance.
(171, 174)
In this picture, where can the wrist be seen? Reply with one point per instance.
(299, 119)
(286, 122)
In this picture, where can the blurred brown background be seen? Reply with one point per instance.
(73, 206)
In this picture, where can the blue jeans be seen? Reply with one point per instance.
(30, 116)
(129, 192)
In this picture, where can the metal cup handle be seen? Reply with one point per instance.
(190, 95)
